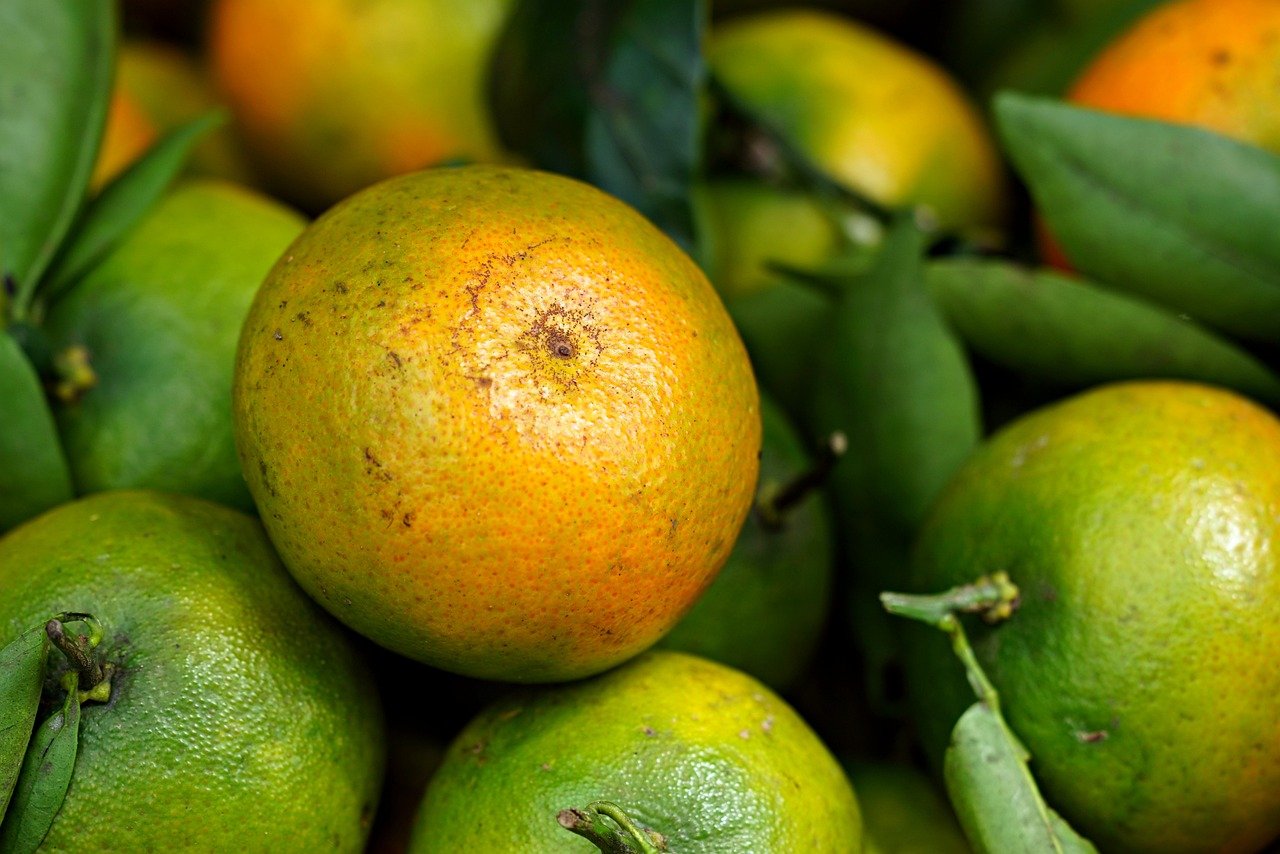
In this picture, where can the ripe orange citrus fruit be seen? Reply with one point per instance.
(1210, 63)
(496, 421)
(704, 755)
(239, 715)
(1141, 522)
(877, 116)
(333, 95)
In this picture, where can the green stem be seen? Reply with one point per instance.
(79, 649)
(596, 821)
(994, 597)
(776, 499)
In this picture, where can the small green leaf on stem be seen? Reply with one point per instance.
(56, 62)
(34, 475)
(21, 676)
(43, 781)
(111, 215)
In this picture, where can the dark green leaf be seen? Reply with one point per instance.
(1180, 215)
(994, 795)
(117, 209)
(608, 91)
(894, 378)
(42, 784)
(21, 677)
(33, 471)
(1067, 330)
(55, 81)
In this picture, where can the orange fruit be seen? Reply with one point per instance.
(239, 715)
(1210, 63)
(128, 134)
(877, 116)
(1141, 522)
(333, 95)
(701, 753)
(496, 421)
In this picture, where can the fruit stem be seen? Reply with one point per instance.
(994, 597)
(79, 650)
(776, 499)
(591, 824)
(73, 375)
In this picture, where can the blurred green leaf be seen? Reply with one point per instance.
(55, 82)
(608, 91)
(44, 779)
(1067, 330)
(895, 379)
(1182, 216)
(21, 678)
(114, 212)
(33, 471)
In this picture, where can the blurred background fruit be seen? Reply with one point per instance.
(705, 755)
(236, 703)
(534, 424)
(877, 116)
(1210, 63)
(903, 812)
(129, 132)
(157, 323)
(334, 95)
(1139, 522)
(171, 88)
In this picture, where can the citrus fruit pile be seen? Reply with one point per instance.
(644, 426)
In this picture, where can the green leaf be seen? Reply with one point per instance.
(894, 378)
(1070, 331)
(21, 678)
(56, 63)
(33, 471)
(1182, 216)
(994, 795)
(114, 212)
(608, 91)
(43, 781)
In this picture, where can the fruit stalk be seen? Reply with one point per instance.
(593, 823)
(775, 500)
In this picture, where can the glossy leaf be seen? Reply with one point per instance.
(894, 378)
(114, 212)
(1182, 216)
(45, 777)
(994, 795)
(34, 475)
(55, 80)
(608, 91)
(1067, 330)
(21, 678)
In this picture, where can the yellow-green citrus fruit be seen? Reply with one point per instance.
(159, 319)
(334, 95)
(239, 718)
(875, 115)
(696, 751)
(903, 811)
(1141, 522)
(497, 422)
